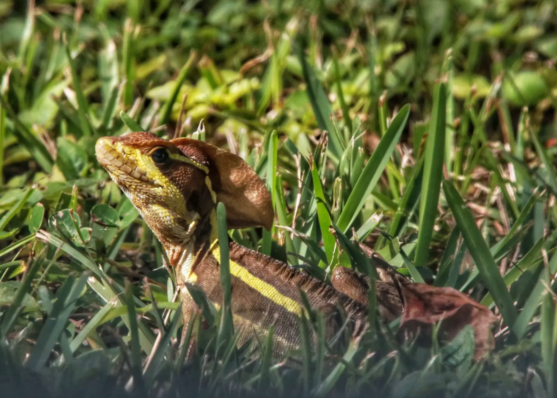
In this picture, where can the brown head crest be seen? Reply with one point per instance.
(247, 200)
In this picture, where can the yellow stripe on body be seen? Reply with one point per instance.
(261, 286)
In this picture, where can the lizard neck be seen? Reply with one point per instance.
(188, 255)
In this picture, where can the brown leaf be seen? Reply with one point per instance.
(426, 305)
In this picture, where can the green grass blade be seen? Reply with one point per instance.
(128, 51)
(130, 123)
(480, 253)
(534, 300)
(271, 146)
(91, 326)
(306, 352)
(166, 111)
(320, 105)
(527, 262)
(66, 299)
(450, 111)
(4, 84)
(28, 139)
(280, 205)
(324, 217)
(157, 361)
(547, 340)
(331, 380)
(82, 107)
(135, 351)
(446, 266)
(10, 315)
(499, 247)
(433, 174)
(266, 359)
(226, 328)
(110, 109)
(408, 202)
(373, 170)
(15, 209)
(414, 273)
(343, 105)
(547, 162)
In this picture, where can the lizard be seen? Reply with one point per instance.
(176, 184)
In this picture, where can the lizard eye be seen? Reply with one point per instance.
(160, 156)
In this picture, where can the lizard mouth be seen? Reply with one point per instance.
(122, 169)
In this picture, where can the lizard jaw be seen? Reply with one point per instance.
(121, 168)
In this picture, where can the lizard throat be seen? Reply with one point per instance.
(185, 257)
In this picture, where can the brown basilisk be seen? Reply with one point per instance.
(176, 186)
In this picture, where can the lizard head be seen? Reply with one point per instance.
(176, 185)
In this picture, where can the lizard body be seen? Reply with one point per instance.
(176, 185)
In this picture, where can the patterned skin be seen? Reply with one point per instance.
(176, 185)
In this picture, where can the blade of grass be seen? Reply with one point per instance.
(342, 101)
(130, 123)
(535, 298)
(408, 201)
(166, 111)
(266, 359)
(480, 253)
(110, 108)
(414, 273)
(280, 203)
(373, 170)
(82, 108)
(3, 119)
(66, 299)
(547, 339)
(10, 315)
(450, 129)
(433, 174)
(331, 380)
(323, 217)
(15, 209)
(525, 263)
(320, 105)
(128, 52)
(157, 361)
(497, 249)
(135, 351)
(447, 261)
(91, 326)
(226, 328)
(28, 139)
(271, 141)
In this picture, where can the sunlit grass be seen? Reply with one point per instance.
(439, 154)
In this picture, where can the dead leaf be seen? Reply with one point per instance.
(426, 305)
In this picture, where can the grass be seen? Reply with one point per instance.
(439, 152)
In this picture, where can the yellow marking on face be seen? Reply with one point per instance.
(185, 159)
(261, 286)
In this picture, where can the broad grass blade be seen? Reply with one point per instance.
(166, 111)
(373, 170)
(66, 298)
(130, 123)
(82, 107)
(480, 253)
(323, 216)
(433, 174)
(321, 105)
(226, 329)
